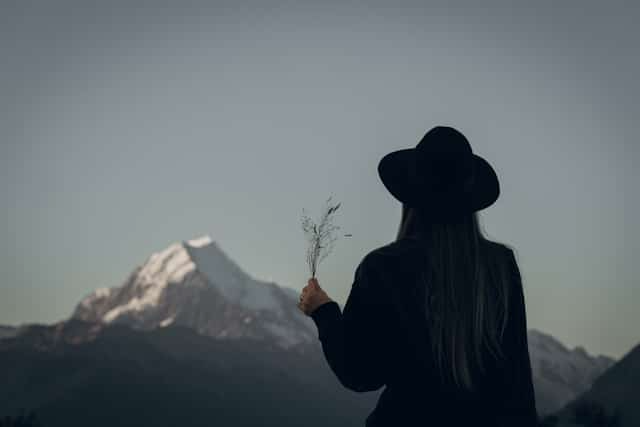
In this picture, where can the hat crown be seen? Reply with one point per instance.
(445, 159)
(444, 141)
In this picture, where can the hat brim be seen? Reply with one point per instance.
(394, 170)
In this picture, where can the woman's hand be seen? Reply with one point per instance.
(312, 297)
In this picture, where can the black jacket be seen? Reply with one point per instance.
(375, 342)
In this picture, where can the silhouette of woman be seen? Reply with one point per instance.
(438, 315)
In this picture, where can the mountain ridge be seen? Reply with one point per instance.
(196, 284)
(614, 393)
(560, 374)
(167, 376)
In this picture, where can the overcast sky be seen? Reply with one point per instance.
(128, 125)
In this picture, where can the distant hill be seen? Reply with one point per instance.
(8, 331)
(85, 374)
(616, 391)
(561, 374)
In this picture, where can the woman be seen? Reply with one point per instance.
(438, 315)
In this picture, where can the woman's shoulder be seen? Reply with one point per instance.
(406, 250)
(393, 248)
(498, 246)
(381, 264)
(504, 254)
(391, 253)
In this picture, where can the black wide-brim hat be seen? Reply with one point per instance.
(440, 175)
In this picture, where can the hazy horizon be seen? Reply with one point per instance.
(126, 127)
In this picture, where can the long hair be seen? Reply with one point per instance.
(465, 291)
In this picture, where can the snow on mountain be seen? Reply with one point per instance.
(561, 374)
(194, 283)
(234, 283)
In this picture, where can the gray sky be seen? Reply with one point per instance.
(126, 126)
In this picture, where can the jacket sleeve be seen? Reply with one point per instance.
(517, 405)
(353, 340)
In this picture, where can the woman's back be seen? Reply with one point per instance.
(415, 389)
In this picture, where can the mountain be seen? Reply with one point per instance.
(78, 374)
(561, 374)
(174, 376)
(195, 284)
(8, 331)
(616, 391)
(196, 288)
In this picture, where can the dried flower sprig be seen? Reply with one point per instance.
(321, 236)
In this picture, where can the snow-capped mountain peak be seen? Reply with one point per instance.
(196, 284)
(199, 242)
(228, 277)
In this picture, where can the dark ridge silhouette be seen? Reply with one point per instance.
(24, 419)
(612, 401)
(585, 413)
(83, 374)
